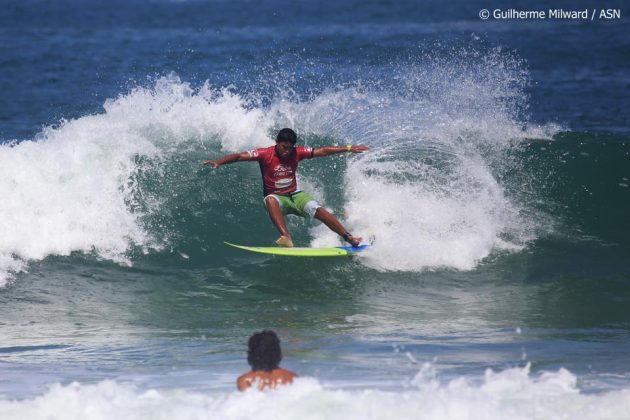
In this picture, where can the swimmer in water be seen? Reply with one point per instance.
(264, 356)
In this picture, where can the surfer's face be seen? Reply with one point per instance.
(284, 148)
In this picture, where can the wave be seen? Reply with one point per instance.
(73, 188)
(512, 393)
(433, 191)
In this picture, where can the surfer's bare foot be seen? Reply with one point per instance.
(284, 241)
(355, 241)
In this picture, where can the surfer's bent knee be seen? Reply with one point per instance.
(271, 196)
(311, 208)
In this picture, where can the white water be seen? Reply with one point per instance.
(71, 189)
(510, 394)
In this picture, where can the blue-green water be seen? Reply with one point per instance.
(496, 190)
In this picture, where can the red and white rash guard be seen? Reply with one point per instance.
(279, 175)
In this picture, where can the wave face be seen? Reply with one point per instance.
(431, 193)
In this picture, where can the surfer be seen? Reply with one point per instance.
(264, 356)
(278, 165)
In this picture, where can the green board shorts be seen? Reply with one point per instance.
(298, 203)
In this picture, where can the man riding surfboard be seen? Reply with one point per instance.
(278, 166)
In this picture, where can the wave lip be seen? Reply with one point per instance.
(74, 188)
(67, 192)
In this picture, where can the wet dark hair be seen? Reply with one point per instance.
(263, 351)
(286, 134)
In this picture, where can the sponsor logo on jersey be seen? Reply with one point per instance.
(282, 170)
(283, 183)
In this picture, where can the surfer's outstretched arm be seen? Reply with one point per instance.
(235, 157)
(331, 150)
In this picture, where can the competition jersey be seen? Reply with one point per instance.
(279, 175)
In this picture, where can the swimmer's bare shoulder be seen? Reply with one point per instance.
(265, 379)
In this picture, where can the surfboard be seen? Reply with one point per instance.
(335, 251)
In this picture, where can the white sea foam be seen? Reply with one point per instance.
(513, 393)
(71, 189)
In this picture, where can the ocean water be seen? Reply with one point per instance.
(496, 193)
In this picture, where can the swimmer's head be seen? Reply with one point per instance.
(263, 351)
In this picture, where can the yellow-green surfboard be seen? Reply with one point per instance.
(335, 251)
